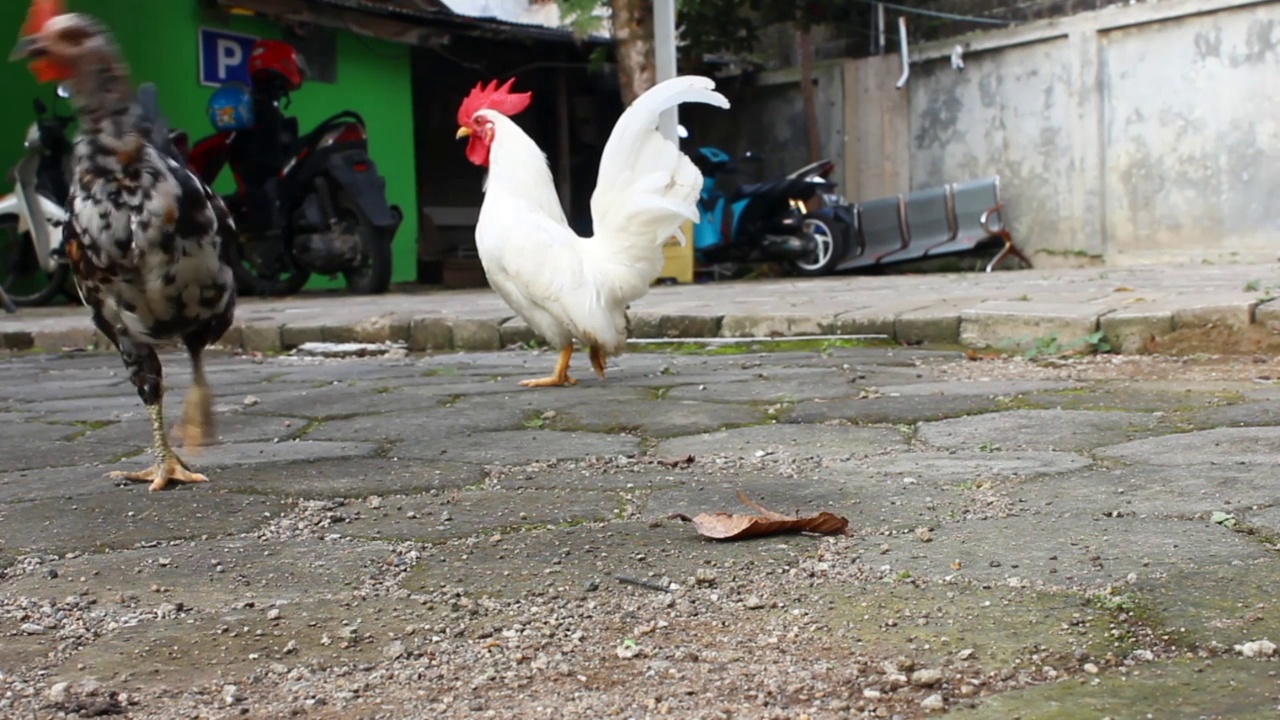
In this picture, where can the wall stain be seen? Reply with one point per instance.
(989, 89)
(1260, 44)
(938, 119)
(1209, 43)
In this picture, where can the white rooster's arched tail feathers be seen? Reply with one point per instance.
(646, 187)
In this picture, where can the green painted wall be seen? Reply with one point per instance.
(159, 39)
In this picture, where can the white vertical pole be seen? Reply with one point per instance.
(880, 26)
(664, 52)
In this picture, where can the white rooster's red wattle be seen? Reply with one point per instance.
(564, 286)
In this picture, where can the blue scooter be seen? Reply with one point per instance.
(766, 221)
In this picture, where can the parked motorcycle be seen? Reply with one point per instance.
(838, 214)
(766, 221)
(31, 216)
(323, 210)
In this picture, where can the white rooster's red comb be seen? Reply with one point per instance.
(493, 97)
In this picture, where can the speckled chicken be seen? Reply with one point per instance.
(145, 234)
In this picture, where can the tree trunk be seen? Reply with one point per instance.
(809, 94)
(633, 42)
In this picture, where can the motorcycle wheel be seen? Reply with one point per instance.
(23, 280)
(830, 250)
(249, 283)
(374, 276)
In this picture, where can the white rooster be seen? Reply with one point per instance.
(563, 285)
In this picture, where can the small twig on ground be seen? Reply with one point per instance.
(642, 583)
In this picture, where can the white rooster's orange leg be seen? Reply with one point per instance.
(598, 360)
(561, 376)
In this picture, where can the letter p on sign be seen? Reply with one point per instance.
(229, 55)
(224, 57)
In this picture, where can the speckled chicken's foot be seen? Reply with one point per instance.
(196, 430)
(168, 468)
(561, 377)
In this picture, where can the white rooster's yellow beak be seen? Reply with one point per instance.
(463, 131)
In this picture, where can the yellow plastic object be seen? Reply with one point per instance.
(678, 259)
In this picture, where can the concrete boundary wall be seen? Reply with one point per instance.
(1131, 135)
(1135, 134)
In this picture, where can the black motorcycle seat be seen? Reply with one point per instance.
(761, 188)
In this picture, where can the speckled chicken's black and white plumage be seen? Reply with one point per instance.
(144, 236)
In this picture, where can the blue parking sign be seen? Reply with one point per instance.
(224, 57)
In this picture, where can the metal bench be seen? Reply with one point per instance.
(929, 223)
(881, 232)
(976, 217)
(954, 218)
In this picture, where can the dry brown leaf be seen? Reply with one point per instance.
(1124, 288)
(729, 526)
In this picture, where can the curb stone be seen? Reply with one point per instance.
(1130, 332)
(999, 325)
(1017, 325)
(938, 323)
(262, 338)
(1005, 313)
(1267, 315)
(477, 335)
(516, 332)
(749, 326)
(294, 334)
(1233, 315)
(430, 333)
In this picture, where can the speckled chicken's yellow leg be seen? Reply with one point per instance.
(196, 428)
(598, 360)
(168, 468)
(145, 373)
(561, 376)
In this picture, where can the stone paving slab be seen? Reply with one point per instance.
(1033, 430)
(1054, 550)
(1145, 491)
(1136, 309)
(788, 439)
(969, 468)
(432, 518)
(882, 409)
(517, 446)
(347, 477)
(1220, 446)
(113, 520)
(1180, 689)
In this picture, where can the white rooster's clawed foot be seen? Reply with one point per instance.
(560, 378)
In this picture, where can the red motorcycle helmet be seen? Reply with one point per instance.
(275, 61)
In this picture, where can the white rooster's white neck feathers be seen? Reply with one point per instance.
(518, 167)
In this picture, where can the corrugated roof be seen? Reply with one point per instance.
(522, 16)
(516, 12)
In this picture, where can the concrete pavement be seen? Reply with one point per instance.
(408, 537)
(1182, 309)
